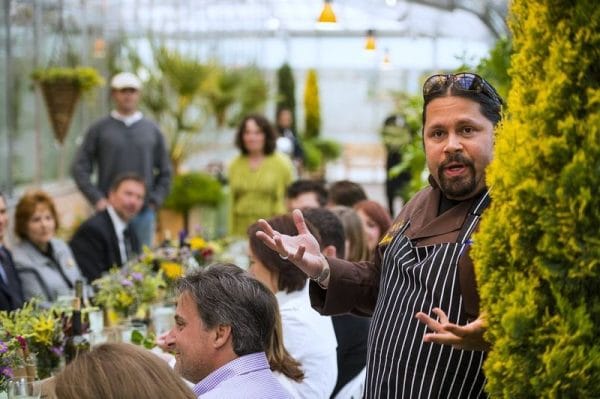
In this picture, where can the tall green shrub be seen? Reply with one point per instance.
(253, 93)
(286, 89)
(537, 254)
(312, 112)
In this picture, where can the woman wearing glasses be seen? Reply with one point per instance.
(426, 337)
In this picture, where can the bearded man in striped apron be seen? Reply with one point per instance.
(426, 336)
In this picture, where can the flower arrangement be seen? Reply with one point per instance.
(175, 258)
(10, 358)
(39, 331)
(150, 279)
(129, 289)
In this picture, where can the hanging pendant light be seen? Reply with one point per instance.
(370, 42)
(386, 63)
(327, 15)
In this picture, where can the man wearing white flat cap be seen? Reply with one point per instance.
(125, 142)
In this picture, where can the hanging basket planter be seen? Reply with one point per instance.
(61, 89)
(60, 99)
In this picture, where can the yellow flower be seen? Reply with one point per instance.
(172, 270)
(43, 330)
(197, 243)
(124, 299)
(147, 255)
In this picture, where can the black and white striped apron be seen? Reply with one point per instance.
(413, 279)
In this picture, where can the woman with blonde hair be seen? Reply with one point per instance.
(119, 371)
(357, 249)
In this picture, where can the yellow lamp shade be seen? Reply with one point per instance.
(327, 15)
(370, 44)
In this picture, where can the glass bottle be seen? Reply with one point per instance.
(76, 344)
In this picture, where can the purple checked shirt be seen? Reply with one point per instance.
(247, 377)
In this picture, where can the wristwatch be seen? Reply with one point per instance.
(322, 276)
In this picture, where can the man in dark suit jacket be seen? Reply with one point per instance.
(11, 294)
(105, 239)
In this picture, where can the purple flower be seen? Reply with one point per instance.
(6, 371)
(3, 347)
(126, 283)
(136, 276)
(57, 350)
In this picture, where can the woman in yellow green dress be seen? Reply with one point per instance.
(258, 176)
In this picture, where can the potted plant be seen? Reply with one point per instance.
(193, 189)
(318, 151)
(61, 89)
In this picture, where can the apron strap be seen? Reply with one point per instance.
(473, 217)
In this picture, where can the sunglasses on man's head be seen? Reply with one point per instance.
(465, 81)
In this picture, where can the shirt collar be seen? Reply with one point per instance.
(241, 365)
(128, 120)
(119, 223)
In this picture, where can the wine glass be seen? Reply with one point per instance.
(24, 388)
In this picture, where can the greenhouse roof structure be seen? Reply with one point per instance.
(468, 19)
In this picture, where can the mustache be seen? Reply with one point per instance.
(456, 158)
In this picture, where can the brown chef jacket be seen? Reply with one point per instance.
(353, 286)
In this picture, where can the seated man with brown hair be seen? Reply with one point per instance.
(105, 239)
(223, 324)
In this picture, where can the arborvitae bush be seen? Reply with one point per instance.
(286, 89)
(312, 112)
(537, 254)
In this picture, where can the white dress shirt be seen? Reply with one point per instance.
(310, 339)
(120, 225)
(3, 276)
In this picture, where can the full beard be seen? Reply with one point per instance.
(458, 186)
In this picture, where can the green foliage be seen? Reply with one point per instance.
(286, 91)
(184, 74)
(313, 159)
(406, 138)
(495, 67)
(319, 151)
(312, 112)
(191, 189)
(85, 78)
(173, 94)
(148, 341)
(221, 92)
(253, 93)
(538, 249)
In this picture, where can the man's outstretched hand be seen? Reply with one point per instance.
(467, 337)
(302, 250)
